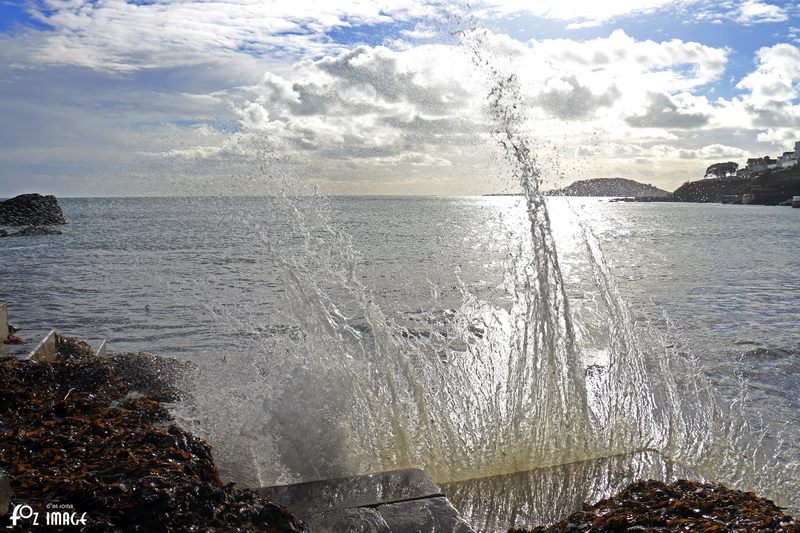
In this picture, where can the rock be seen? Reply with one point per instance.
(680, 506)
(151, 375)
(5, 493)
(69, 348)
(712, 190)
(31, 210)
(13, 339)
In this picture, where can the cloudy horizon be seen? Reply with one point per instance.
(117, 98)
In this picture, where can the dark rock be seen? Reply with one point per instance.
(680, 506)
(5, 493)
(151, 375)
(31, 210)
(69, 348)
(13, 339)
(712, 190)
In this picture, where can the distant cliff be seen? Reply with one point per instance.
(718, 190)
(617, 187)
(768, 188)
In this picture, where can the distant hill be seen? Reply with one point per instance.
(616, 187)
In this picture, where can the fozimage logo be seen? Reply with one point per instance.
(57, 514)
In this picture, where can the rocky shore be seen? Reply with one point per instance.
(86, 436)
(773, 187)
(681, 506)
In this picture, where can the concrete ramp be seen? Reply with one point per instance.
(396, 501)
(26, 347)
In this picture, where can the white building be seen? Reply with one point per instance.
(787, 160)
(760, 164)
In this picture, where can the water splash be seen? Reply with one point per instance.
(479, 390)
(645, 396)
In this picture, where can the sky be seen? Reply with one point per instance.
(150, 97)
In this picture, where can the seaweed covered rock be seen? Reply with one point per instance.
(31, 210)
(151, 375)
(681, 506)
(72, 435)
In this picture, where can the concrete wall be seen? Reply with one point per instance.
(45, 351)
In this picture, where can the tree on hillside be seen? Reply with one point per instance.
(722, 170)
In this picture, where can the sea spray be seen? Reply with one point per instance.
(650, 398)
(473, 391)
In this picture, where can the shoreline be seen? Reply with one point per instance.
(79, 437)
(89, 434)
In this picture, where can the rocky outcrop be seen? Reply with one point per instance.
(616, 187)
(31, 210)
(772, 188)
(721, 190)
(767, 188)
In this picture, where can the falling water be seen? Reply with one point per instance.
(480, 390)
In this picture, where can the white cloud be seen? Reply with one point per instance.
(124, 36)
(584, 24)
(621, 57)
(421, 32)
(783, 138)
(586, 13)
(776, 80)
(746, 12)
(754, 12)
(774, 87)
(663, 112)
(709, 152)
(381, 111)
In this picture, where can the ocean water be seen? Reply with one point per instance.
(144, 272)
(215, 280)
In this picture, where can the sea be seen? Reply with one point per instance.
(216, 279)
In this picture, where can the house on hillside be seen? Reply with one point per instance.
(787, 160)
(760, 164)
